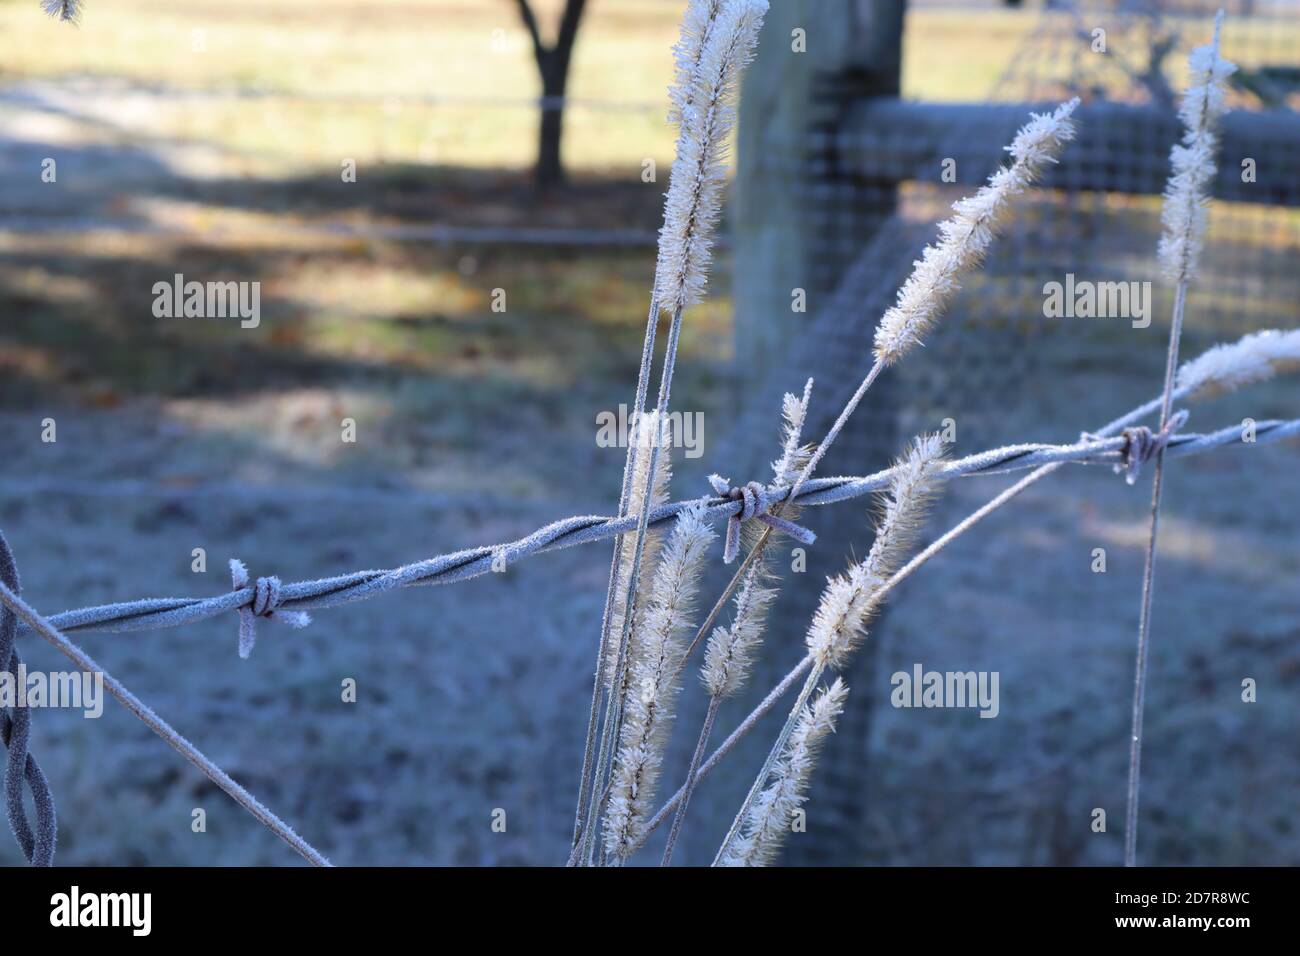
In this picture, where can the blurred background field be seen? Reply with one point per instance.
(206, 139)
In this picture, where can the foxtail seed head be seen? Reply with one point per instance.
(965, 237)
(1187, 191)
(652, 686)
(704, 104)
(850, 601)
(768, 820)
(1253, 358)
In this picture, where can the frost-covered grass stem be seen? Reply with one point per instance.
(717, 42)
(933, 281)
(726, 667)
(603, 660)
(692, 776)
(765, 771)
(1184, 216)
(771, 816)
(650, 696)
(742, 729)
(850, 602)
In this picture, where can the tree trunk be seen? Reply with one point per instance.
(553, 67)
(550, 166)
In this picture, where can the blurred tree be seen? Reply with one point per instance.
(553, 65)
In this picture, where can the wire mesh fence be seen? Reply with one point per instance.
(870, 180)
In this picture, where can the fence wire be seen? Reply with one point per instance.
(155, 613)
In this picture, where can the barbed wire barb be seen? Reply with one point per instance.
(38, 624)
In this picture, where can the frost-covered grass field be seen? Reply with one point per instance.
(476, 426)
(467, 694)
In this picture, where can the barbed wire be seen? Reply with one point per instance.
(15, 606)
(21, 767)
(464, 565)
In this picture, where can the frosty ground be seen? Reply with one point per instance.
(475, 427)
(470, 697)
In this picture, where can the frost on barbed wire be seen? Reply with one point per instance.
(850, 601)
(704, 100)
(966, 236)
(37, 844)
(771, 504)
(1184, 214)
(652, 682)
(770, 817)
(729, 653)
(1251, 359)
(644, 426)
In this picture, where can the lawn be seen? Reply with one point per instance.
(296, 85)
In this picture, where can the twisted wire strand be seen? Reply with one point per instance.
(85, 663)
(37, 845)
(155, 613)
